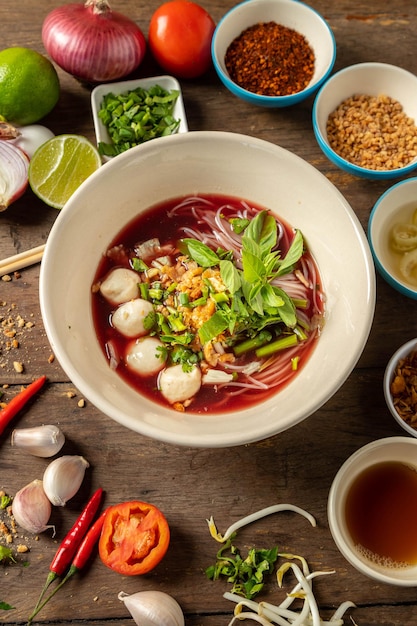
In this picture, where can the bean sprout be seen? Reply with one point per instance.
(253, 517)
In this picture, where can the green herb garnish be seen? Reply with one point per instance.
(133, 117)
(247, 575)
(6, 554)
(5, 500)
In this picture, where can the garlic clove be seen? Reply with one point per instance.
(31, 508)
(44, 441)
(63, 477)
(153, 608)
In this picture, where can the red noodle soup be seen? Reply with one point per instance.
(207, 304)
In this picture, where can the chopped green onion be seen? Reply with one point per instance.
(280, 344)
(144, 291)
(251, 344)
(136, 116)
(183, 299)
(156, 293)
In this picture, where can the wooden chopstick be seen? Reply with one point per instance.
(19, 261)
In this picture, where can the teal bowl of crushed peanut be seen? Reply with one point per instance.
(129, 113)
(365, 120)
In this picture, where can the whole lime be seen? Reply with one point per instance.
(29, 85)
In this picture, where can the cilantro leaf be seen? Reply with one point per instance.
(247, 575)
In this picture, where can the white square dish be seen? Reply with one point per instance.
(169, 83)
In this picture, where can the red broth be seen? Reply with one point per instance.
(163, 222)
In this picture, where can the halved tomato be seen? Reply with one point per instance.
(134, 538)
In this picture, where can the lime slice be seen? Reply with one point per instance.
(60, 165)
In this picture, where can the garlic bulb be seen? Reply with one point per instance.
(153, 608)
(44, 441)
(63, 478)
(31, 508)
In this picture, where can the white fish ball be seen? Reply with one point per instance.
(144, 357)
(120, 285)
(177, 385)
(129, 318)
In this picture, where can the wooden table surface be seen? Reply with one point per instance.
(190, 485)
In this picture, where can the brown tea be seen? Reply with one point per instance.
(381, 514)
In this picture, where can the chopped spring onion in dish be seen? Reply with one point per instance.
(229, 293)
(133, 117)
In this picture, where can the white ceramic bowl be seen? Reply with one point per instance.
(401, 353)
(372, 79)
(220, 163)
(169, 83)
(289, 13)
(394, 449)
(392, 207)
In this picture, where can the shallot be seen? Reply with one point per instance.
(27, 138)
(14, 167)
(92, 42)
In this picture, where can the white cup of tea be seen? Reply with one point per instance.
(372, 508)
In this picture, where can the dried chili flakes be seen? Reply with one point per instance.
(271, 60)
(404, 389)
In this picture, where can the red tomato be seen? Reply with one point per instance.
(180, 34)
(135, 537)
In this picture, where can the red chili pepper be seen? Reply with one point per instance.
(70, 544)
(80, 559)
(18, 402)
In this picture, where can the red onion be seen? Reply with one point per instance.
(92, 42)
(14, 165)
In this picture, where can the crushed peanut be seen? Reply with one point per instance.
(9, 531)
(372, 132)
(404, 389)
(13, 327)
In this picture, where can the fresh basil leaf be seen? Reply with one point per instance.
(268, 234)
(287, 311)
(271, 298)
(201, 254)
(254, 228)
(293, 255)
(253, 296)
(213, 327)
(230, 276)
(253, 267)
(6, 607)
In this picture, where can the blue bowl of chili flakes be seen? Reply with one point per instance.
(273, 53)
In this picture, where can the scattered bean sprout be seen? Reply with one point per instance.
(253, 517)
(283, 614)
(268, 614)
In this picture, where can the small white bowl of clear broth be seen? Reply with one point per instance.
(392, 235)
(372, 508)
